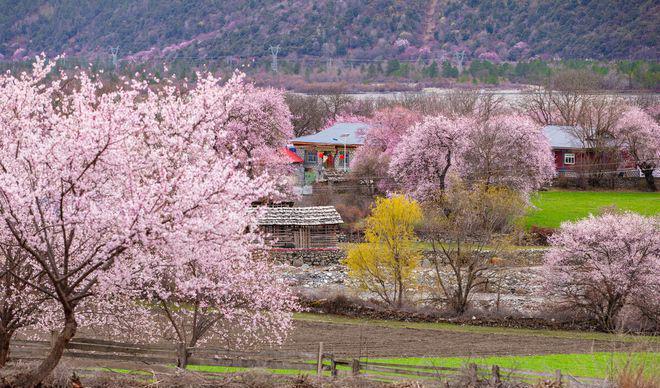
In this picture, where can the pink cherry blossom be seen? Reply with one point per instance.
(141, 193)
(421, 160)
(507, 150)
(600, 264)
(639, 135)
(381, 138)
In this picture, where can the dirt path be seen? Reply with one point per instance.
(430, 22)
(352, 340)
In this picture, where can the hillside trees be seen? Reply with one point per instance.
(100, 192)
(602, 263)
(384, 263)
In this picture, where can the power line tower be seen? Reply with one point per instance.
(114, 51)
(459, 57)
(274, 50)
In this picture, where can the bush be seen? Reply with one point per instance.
(540, 235)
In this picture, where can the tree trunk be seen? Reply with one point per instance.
(650, 180)
(183, 355)
(35, 377)
(5, 337)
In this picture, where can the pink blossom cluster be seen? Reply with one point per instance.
(506, 150)
(143, 195)
(603, 263)
(639, 134)
(385, 131)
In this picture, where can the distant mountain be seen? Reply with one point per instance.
(359, 29)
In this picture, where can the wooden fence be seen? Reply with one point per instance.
(319, 363)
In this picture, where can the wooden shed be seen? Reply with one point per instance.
(301, 227)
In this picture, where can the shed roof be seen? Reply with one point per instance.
(312, 215)
(333, 135)
(561, 137)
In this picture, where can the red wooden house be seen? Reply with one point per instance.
(572, 157)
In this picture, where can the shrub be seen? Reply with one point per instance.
(540, 235)
(384, 264)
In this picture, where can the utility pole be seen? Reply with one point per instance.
(459, 57)
(274, 50)
(114, 51)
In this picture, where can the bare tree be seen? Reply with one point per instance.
(464, 225)
(336, 104)
(308, 113)
(572, 100)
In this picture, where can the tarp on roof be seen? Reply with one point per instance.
(293, 157)
(561, 137)
(333, 135)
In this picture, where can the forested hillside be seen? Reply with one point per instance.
(378, 29)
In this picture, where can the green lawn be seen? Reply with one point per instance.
(598, 365)
(555, 206)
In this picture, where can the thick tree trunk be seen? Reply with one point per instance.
(35, 377)
(183, 355)
(5, 338)
(650, 179)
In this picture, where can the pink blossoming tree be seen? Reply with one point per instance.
(600, 264)
(507, 150)
(503, 150)
(385, 131)
(422, 159)
(106, 194)
(639, 135)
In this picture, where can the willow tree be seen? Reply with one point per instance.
(384, 264)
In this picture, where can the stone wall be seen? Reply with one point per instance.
(516, 257)
(316, 257)
(333, 256)
(607, 182)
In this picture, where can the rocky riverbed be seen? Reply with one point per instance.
(509, 290)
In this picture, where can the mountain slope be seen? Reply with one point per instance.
(506, 30)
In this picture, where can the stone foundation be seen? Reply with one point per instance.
(316, 257)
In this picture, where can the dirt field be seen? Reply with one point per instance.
(351, 340)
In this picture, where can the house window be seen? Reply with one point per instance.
(310, 156)
(569, 158)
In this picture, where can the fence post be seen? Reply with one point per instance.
(355, 367)
(319, 361)
(472, 373)
(53, 337)
(333, 366)
(558, 377)
(496, 375)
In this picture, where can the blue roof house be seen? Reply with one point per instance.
(332, 148)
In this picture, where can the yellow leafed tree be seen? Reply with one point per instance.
(384, 264)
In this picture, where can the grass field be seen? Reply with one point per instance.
(598, 365)
(555, 206)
